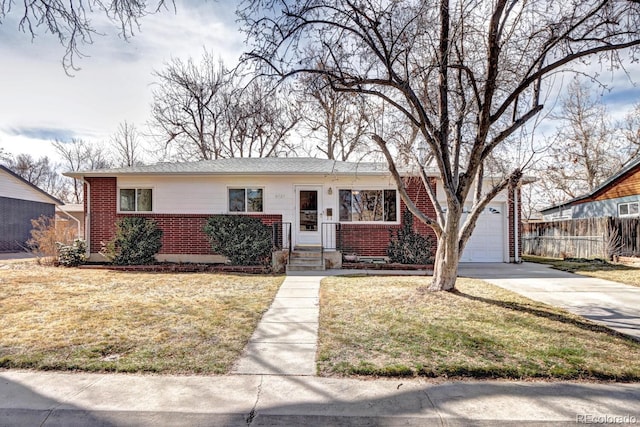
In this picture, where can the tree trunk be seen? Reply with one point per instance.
(445, 266)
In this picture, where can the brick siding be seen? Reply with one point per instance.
(182, 234)
(373, 239)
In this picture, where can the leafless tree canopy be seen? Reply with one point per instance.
(466, 74)
(81, 155)
(126, 145)
(585, 150)
(201, 111)
(337, 122)
(72, 22)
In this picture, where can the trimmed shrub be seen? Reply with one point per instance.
(244, 240)
(408, 246)
(72, 255)
(137, 242)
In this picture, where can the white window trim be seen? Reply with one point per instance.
(629, 215)
(398, 220)
(245, 188)
(153, 199)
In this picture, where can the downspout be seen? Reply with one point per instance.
(516, 235)
(87, 219)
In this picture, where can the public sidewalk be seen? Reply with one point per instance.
(80, 399)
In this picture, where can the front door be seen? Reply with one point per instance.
(308, 215)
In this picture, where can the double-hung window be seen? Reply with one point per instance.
(629, 209)
(368, 205)
(246, 200)
(136, 199)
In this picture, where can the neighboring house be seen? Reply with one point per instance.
(619, 196)
(72, 214)
(338, 206)
(20, 202)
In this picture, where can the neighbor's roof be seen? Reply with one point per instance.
(248, 166)
(621, 173)
(33, 187)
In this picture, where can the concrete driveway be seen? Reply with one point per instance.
(612, 304)
(5, 256)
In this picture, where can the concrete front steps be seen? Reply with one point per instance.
(306, 258)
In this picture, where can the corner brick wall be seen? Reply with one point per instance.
(182, 234)
(373, 239)
(102, 214)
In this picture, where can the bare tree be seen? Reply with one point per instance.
(185, 107)
(337, 121)
(126, 145)
(257, 121)
(81, 155)
(4, 155)
(203, 112)
(467, 74)
(584, 151)
(73, 22)
(631, 131)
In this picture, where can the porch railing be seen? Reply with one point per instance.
(281, 236)
(330, 236)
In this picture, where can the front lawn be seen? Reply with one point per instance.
(592, 268)
(385, 326)
(101, 320)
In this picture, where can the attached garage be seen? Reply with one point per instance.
(488, 242)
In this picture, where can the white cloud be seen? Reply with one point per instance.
(114, 83)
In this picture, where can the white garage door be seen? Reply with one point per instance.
(487, 242)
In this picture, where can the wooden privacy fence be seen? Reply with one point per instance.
(583, 238)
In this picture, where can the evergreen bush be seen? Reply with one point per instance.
(244, 240)
(137, 242)
(409, 246)
(72, 255)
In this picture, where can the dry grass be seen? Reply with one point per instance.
(384, 326)
(593, 268)
(100, 320)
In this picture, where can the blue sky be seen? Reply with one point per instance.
(39, 102)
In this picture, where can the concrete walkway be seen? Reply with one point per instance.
(81, 399)
(285, 341)
(611, 304)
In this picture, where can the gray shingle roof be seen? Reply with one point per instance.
(247, 166)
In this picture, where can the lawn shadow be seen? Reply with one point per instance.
(550, 314)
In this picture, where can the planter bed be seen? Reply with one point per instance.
(184, 268)
(385, 266)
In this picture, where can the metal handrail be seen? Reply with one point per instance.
(276, 237)
(325, 230)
